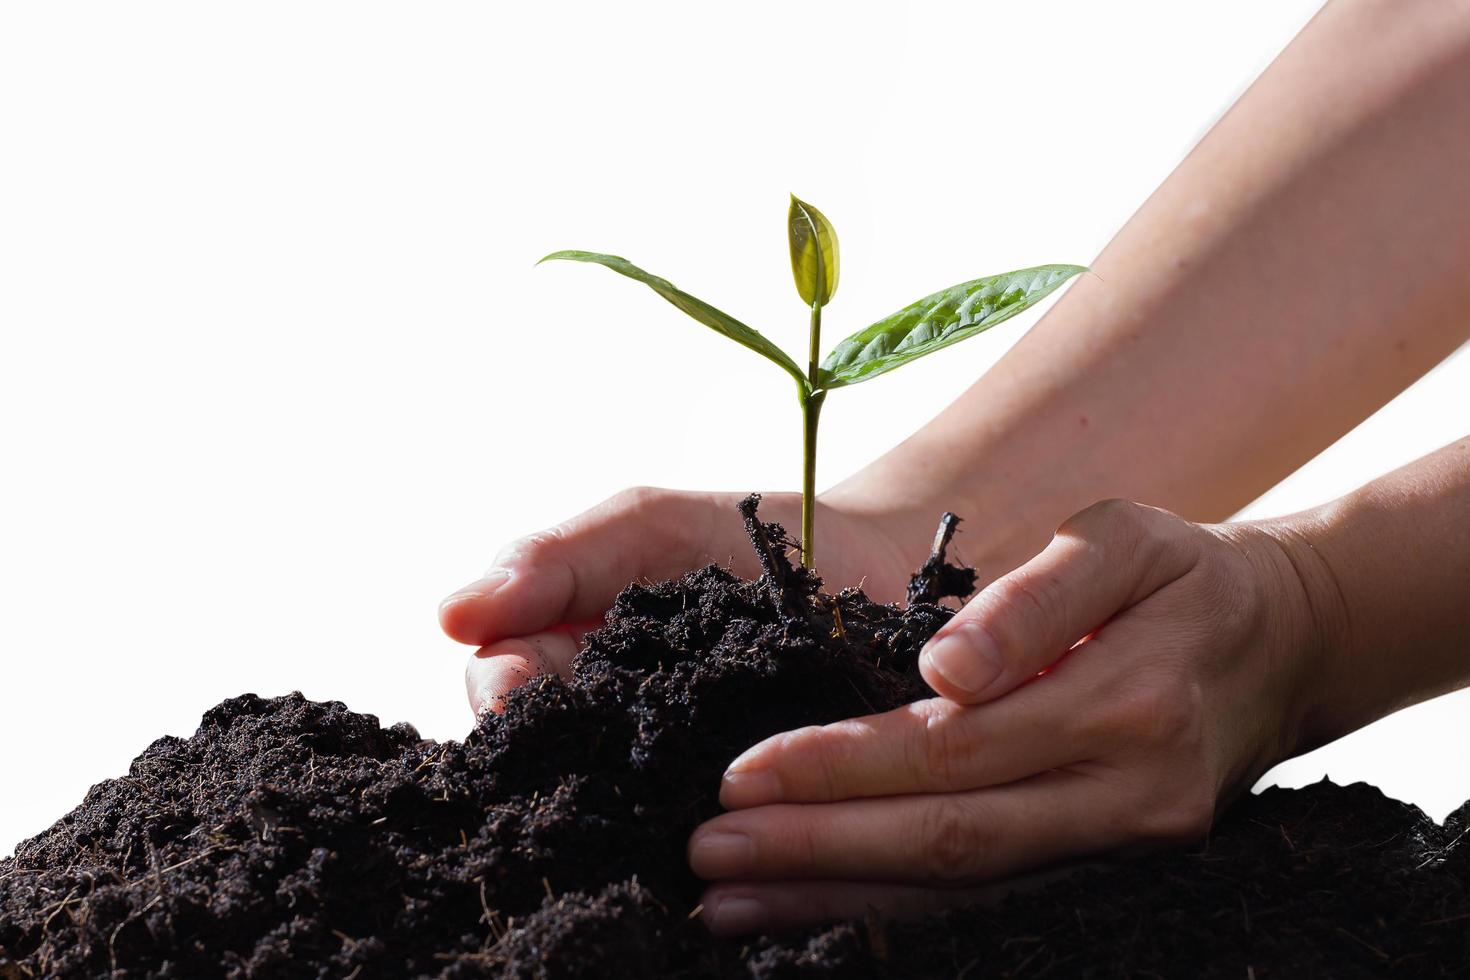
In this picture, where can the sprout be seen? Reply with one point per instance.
(934, 322)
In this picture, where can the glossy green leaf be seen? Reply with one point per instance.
(814, 260)
(947, 317)
(715, 319)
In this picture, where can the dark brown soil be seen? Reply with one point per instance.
(288, 838)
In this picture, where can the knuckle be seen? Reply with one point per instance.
(1180, 718)
(533, 547)
(798, 844)
(935, 753)
(1112, 529)
(636, 499)
(1161, 712)
(954, 836)
(633, 501)
(1129, 533)
(1110, 513)
(825, 753)
(1179, 816)
(1163, 723)
(1030, 596)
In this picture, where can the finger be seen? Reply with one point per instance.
(932, 746)
(949, 838)
(495, 669)
(733, 908)
(761, 906)
(574, 571)
(1101, 561)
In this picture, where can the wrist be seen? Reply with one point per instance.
(1317, 630)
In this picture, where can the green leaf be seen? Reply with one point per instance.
(697, 308)
(814, 263)
(947, 317)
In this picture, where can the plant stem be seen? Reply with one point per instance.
(814, 348)
(811, 410)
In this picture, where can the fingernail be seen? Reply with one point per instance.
(494, 579)
(736, 915)
(752, 787)
(966, 657)
(721, 854)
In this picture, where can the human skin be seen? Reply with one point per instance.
(1304, 264)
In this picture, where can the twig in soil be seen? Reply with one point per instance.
(862, 697)
(1027, 961)
(639, 889)
(948, 524)
(57, 910)
(432, 757)
(1438, 853)
(938, 578)
(200, 856)
(775, 570)
(490, 917)
(1364, 943)
(153, 866)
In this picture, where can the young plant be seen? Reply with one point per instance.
(934, 322)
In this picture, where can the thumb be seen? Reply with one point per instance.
(1101, 561)
(571, 573)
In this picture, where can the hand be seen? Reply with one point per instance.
(528, 613)
(1105, 696)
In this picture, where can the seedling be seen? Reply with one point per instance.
(934, 322)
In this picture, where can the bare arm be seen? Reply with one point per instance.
(1386, 569)
(1308, 261)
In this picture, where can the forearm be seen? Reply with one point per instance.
(1303, 265)
(1385, 571)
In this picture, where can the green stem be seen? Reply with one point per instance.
(811, 410)
(814, 349)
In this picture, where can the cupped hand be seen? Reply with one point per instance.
(528, 612)
(1106, 696)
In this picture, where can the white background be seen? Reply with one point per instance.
(277, 372)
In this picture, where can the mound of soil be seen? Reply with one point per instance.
(289, 838)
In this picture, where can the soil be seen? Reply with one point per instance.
(290, 838)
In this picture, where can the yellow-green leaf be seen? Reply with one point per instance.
(814, 263)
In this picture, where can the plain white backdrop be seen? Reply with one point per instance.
(277, 372)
